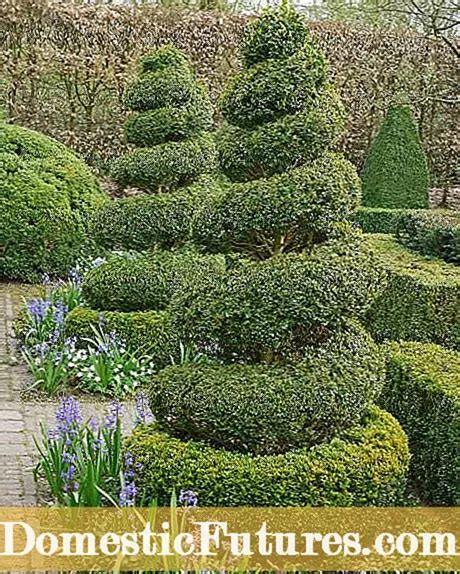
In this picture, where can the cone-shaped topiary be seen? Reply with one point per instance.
(395, 174)
(171, 114)
(282, 121)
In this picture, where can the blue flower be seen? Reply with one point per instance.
(143, 413)
(38, 309)
(68, 417)
(188, 498)
(112, 418)
(128, 494)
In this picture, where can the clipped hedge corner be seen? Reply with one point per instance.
(423, 392)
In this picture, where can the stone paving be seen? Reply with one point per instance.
(20, 418)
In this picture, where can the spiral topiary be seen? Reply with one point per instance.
(279, 323)
(171, 115)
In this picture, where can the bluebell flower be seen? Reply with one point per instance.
(38, 309)
(75, 277)
(143, 413)
(128, 494)
(115, 412)
(188, 498)
(68, 417)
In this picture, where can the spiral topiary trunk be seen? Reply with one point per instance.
(171, 115)
(395, 174)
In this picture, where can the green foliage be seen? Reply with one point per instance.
(421, 299)
(274, 88)
(423, 393)
(263, 310)
(379, 219)
(365, 465)
(243, 407)
(147, 282)
(46, 194)
(287, 212)
(143, 222)
(276, 146)
(172, 112)
(395, 174)
(275, 34)
(148, 331)
(434, 233)
(160, 125)
(167, 166)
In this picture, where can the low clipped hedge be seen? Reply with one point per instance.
(286, 212)
(46, 195)
(434, 233)
(421, 298)
(365, 465)
(379, 219)
(163, 220)
(147, 282)
(167, 166)
(423, 392)
(149, 332)
(273, 308)
(272, 409)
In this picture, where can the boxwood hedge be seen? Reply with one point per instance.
(434, 233)
(271, 409)
(46, 194)
(379, 219)
(364, 465)
(421, 299)
(148, 331)
(423, 392)
(269, 309)
(147, 282)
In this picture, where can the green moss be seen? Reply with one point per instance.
(366, 465)
(46, 196)
(395, 174)
(423, 392)
(421, 299)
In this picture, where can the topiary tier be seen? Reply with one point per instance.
(282, 411)
(46, 197)
(171, 115)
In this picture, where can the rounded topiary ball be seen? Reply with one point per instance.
(46, 195)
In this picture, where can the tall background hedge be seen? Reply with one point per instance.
(66, 66)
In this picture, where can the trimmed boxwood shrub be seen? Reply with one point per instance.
(149, 331)
(46, 194)
(380, 219)
(395, 173)
(365, 465)
(289, 141)
(434, 233)
(147, 282)
(172, 112)
(421, 299)
(263, 310)
(244, 407)
(289, 211)
(143, 222)
(423, 392)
